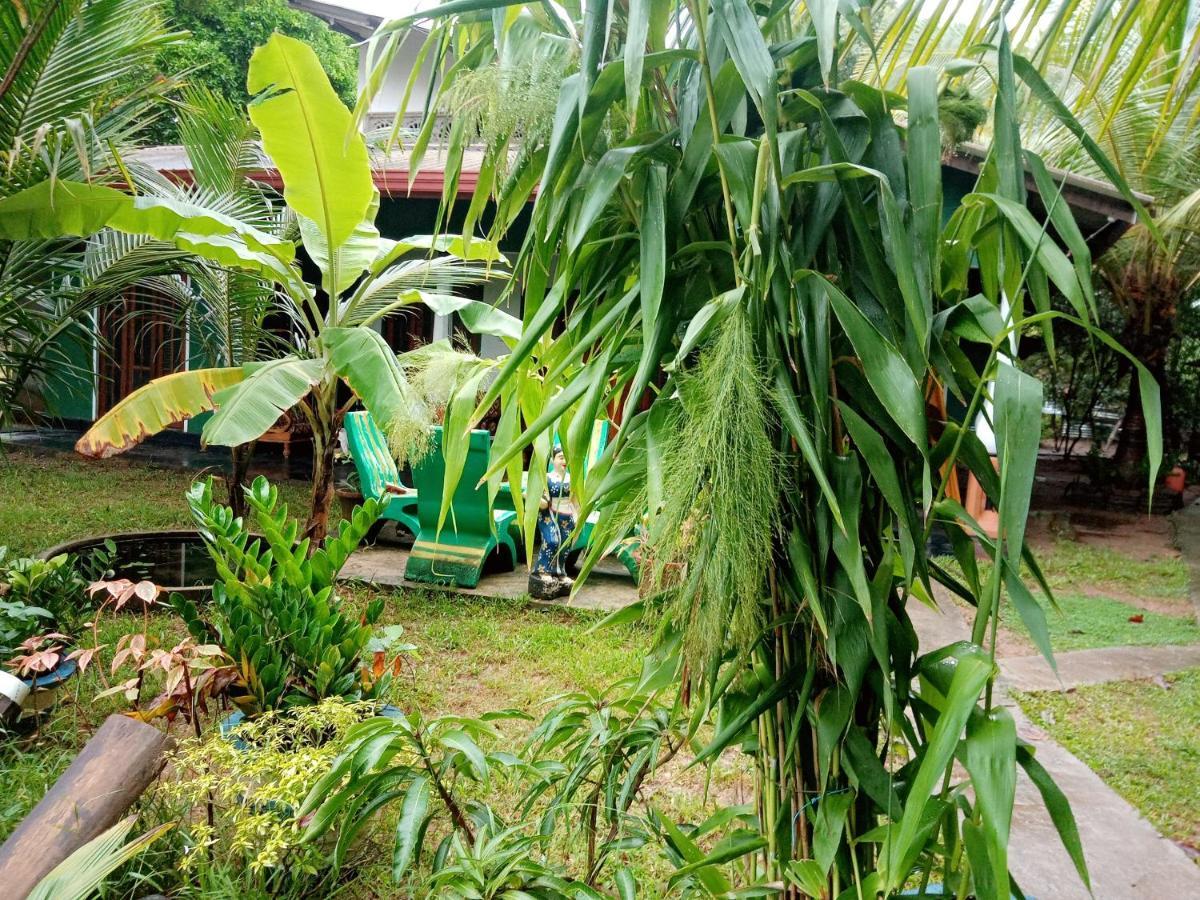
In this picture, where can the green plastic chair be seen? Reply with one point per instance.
(377, 469)
(473, 532)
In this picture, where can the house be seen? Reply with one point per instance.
(146, 344)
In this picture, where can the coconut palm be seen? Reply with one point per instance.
(306, 133)
(744, 254)
(76, 81)
(224, 310)
(1129, 72)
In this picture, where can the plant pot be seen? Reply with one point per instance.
(348, 499)
(44, 688)
(1175, 480)
(13, 692)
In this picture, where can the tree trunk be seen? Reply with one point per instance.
(324, 446)
(240, 458)
(109, 774)
(1148, 337)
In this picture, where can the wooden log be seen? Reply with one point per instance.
(107, 776)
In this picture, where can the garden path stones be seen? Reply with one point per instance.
(1097, 666)
(1127, 858)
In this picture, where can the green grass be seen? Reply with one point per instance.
(1069, 565)
(1090, 585)
(1083, 622)
(473, 654)
(48, 499)
(1140, 738)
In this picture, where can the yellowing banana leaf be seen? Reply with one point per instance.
(153, 407)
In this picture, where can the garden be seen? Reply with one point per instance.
(644, 449)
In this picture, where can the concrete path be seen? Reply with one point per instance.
(608, 588)
(1080, 667)
(1127, 858)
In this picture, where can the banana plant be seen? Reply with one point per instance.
(224, 311)
(306, 132)
(738, 246)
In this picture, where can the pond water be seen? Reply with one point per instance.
(174, 560)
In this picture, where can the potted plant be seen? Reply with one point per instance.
(44, 664)
(349, 493)
(1176, 478)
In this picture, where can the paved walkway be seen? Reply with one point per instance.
(609, 587)
(1080, 667)
(1127, 858)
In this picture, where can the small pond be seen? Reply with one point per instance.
(174, 560)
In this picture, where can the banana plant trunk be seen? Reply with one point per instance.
(325, 422)
(240, 458)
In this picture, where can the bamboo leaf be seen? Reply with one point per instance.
(990, 758)
(970, 675)
(887, 373)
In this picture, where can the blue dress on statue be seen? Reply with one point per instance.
(554, 527)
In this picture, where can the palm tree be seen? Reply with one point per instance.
(76, 81)
(745, 254)
(1129, 72)
(225, 311)
(323, 162)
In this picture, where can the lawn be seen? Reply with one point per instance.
(1083, 621)
(473, 655)
(1104, 599)
(1141, 738)
(48, 499)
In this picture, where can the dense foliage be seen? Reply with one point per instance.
(274, 610)
(78, 84)
(332, 202)
(744, 248)
(222, 35)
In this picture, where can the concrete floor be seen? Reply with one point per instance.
(609, 587)
(1126, 857)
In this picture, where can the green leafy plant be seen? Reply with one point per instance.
(18, 622)
(579, 778)
(57, 585)
(725, 215)
(79, 87)
(589, 757)
(501, 862)
(235, 795)
(416, 761)
(274, 611)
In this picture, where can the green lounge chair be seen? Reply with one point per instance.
(377, 472)
(472, 533)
